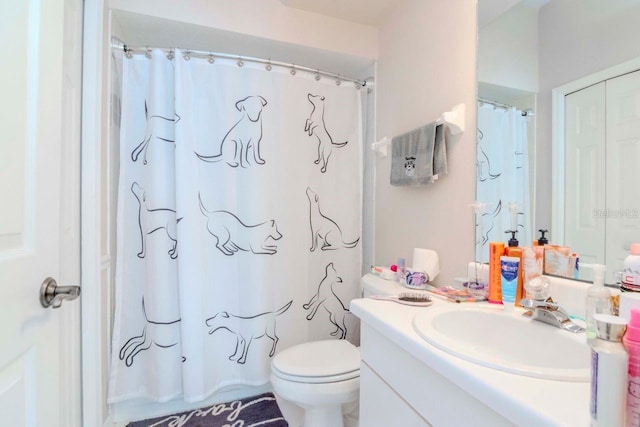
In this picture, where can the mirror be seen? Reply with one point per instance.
(535, 57)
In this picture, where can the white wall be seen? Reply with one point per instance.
(426, 65)
(577, 38)
(268, 19)
(508, 49)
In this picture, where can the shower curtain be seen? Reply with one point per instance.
(239, 221)
(502, 177)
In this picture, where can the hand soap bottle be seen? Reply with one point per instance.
(514, 251)
(598, 299)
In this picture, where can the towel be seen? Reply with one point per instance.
(417, 157)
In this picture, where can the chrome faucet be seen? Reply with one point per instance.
(551, 313)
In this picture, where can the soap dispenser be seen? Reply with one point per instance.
(514, 251)
(542, 240)
(598, 299)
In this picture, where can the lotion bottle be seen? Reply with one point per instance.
(598, 299)
(631, 341)
(609, 361)
(514, 251)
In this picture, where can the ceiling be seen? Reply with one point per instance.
(366, 12)
(375, 12)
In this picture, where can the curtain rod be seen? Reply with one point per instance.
(211, 56)
(525, 113)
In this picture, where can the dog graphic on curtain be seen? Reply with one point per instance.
(159, 127)
(232, 235)
(241, 145)
(152, 220)
(327, 298)
(246, 329)
(324, 228)
(160, 334)
(316, 126)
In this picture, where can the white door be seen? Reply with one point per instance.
(585, 209)
(623, 159)
(39, 120)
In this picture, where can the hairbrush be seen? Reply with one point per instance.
(406, 298)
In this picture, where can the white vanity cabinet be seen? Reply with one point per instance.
(404, 381)
(398, 389)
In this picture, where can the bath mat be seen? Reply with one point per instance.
(255, 411)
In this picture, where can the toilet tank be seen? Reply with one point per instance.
(370, 284)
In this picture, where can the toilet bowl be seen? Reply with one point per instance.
(319, 377)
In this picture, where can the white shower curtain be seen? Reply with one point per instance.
(502, 177)
(239, 221)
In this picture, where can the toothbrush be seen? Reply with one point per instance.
(415, 299)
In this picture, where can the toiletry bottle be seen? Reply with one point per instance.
(542, 240)
(598, 299)
(538, 246)
(514, 251)
(496, 250)
(608, 372)
(400, 271)
(631, 270)
(631, 341)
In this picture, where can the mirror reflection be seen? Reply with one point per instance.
(559, 126)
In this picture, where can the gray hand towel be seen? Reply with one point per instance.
(418, 156)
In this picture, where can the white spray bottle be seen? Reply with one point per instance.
(598, 299)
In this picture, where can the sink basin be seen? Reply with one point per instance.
(505, 341)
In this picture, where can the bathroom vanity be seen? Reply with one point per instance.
(404, 380)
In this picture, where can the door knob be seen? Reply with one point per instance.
(52, 295)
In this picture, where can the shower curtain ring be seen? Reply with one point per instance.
(240, 63)
(127, 53)
(211, 59)
(186, 55)
(147, 53)
(268, 67)
(338, 82)
(318, 75)
(170, 55)
(293, 70)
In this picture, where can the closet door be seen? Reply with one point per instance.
(585, 174)
(623, 163)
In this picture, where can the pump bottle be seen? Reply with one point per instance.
(514, 251)
(598, 299)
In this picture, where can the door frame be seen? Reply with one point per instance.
(558, 140)
(94, 314)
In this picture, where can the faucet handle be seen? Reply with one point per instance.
(532, 303)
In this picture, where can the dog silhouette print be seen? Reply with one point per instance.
(327, 298)
(316, 126)
(152, 220)
(324, 228)
(241, 144)
(488, 222)
(232, 235)
(160, 334)
(246, 329)
(159, 127)
(483, 163)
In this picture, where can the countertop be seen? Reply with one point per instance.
(525, 401)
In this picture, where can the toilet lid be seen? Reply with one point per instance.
(324, 361)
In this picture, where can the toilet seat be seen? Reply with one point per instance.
(318, 362)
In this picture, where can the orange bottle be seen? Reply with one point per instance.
(496, 250)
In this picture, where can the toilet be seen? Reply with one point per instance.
(318, 376)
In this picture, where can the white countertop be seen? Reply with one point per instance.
(523, 400)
